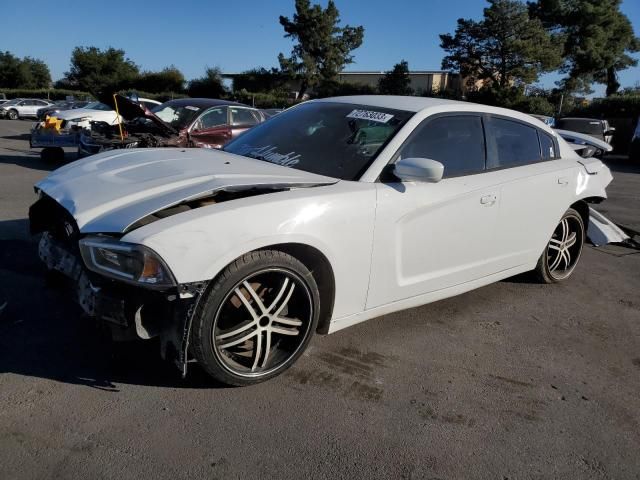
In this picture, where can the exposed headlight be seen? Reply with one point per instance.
(128, 262)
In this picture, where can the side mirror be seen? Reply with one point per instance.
(418, 170)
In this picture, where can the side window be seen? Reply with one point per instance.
(455, 141)
(39, 103)
(213, 118)
(242, 116)
(547, 146)
(511, 144)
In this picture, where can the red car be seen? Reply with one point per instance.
(185, 122)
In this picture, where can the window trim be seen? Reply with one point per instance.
(430, 118)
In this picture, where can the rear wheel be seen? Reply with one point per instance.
(256, 319)
(563, 251)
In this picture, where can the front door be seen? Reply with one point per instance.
(431, 236)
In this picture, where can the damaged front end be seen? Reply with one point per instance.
(148, 310)
(142, 129)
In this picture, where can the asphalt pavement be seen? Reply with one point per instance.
(515, 380)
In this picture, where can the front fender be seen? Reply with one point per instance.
(335, 219)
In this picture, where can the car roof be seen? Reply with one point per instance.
(202, 102)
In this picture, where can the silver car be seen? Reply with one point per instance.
(22, 107)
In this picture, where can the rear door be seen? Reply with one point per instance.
(242, 119)
(211, 129)
(536, 189)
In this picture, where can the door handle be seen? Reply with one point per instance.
(563, 181)
(488, 200)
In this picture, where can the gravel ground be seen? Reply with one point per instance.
(515, 380)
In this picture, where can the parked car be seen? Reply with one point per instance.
(57, 107)
(186, 122)
(93, 112)
(271, 112)
(22, 107)
(331, 213)
(545, 119)
(590, 126)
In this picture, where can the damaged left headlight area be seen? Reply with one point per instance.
(127, 262)
(127, 287)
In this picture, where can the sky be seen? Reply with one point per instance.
(236, 35)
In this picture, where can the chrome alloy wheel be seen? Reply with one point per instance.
(565, 247)
(262, 322)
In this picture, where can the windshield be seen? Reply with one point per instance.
(178, 117)
(97, 106)
(339, 140)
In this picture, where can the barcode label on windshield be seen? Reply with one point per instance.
(370, 115)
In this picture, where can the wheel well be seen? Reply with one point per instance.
(321, 269)
(583, 209)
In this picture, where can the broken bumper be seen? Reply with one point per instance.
(130, 312)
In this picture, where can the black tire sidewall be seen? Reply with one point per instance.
(203, 322)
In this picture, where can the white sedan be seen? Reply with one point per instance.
(331, 213)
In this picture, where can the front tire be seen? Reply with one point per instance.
(256, 319)
(13, 115)
(562, 253)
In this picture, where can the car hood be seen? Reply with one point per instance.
(111, 191)
(130, 110)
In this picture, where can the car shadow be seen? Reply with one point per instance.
(31, 159)
(44, 334)
(20, 136)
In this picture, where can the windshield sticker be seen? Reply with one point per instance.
(189, 107)
(370, 115)
(269, 154)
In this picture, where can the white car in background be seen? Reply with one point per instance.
(333, 212)
(80, 118)
(22, 107)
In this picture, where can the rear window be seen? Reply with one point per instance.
(511, 144)
(547, 146)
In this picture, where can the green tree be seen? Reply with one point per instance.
(36, 72)
(23, 73)
(100, 71)
(599, 39)
(505, 49)
(323, 48)
(208, 86)
(169, 79)
(396, 81)
(260, 80)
